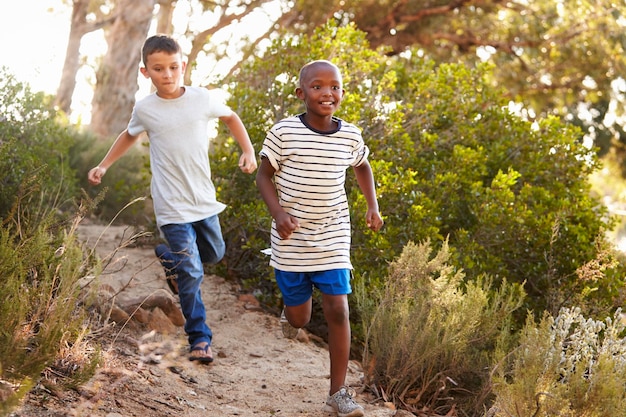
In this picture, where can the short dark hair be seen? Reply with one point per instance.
(304, 71)
(159, 43)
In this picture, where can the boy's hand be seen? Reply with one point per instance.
(285, 225)
(247, 162)
(94, 176)
(374, 220)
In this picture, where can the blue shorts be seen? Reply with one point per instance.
(297, 287)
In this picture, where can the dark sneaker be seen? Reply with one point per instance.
(162, 252)
(343, 404)
(289, 331)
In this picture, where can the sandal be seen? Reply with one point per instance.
(206, 349)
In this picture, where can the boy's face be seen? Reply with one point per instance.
(321, 89)
(165, 71)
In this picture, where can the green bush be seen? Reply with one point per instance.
(511, 195)
(450, 161)
(507, 198)
(430, 339)
(41, 260)
(34, 166)
(40, 268)
(568, 365)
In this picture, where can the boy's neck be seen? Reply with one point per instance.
(321, 123)
(171, 95)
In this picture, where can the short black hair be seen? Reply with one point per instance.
(304, 71)
(159, 43)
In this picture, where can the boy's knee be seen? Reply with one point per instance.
(220, 252)
(214, 255)
(299, 321)
(299, 316)
(341, 315)
(337, 312)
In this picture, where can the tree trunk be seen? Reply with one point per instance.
(164, 17)
(78, 28)
(116, 86)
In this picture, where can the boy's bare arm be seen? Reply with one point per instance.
(121, 145)
(365, 179)
(285, 224)
(247, 160)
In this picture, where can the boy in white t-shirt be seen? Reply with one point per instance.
(175, 119)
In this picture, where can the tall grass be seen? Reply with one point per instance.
(41, 262)
(567, 366)
(430, 338)
(41, 259)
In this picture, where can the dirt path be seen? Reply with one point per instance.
(146, 372)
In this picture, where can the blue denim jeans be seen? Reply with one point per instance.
(191, 245)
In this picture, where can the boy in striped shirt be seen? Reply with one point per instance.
(302, 181)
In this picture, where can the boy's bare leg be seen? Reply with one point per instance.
(336, 312)
(299, 316)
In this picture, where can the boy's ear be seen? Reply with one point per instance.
(144, 71)
(299, 93)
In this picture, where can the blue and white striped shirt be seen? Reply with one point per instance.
(310, 181)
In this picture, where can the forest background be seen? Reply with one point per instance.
(497, 138)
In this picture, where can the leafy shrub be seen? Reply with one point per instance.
(430, 340)
(41, 260)
(507, 198)
(568, 365)
(33, 150)
(450, 161)
(512, 196)
(40, 268)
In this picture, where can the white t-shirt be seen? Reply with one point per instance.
(181, 187)
(310, 182)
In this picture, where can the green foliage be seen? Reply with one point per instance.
(450, 161)
(505, 191)
(430, 339)
(554, 57)
(499, 196)
(41, 260)
(33, 150)
(569, 366)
